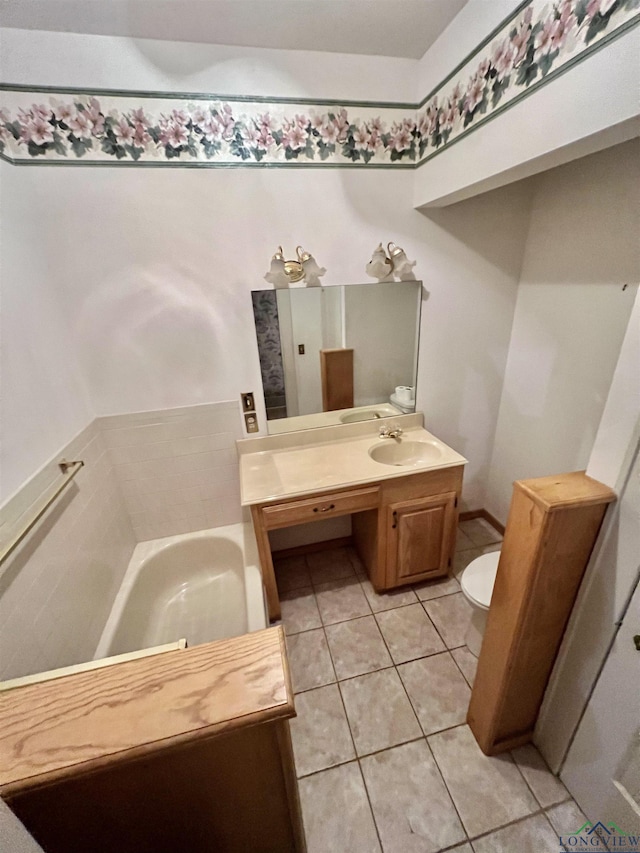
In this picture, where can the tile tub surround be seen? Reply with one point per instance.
(177, 468)
(383, 757)
(147, 475)
(56, 591)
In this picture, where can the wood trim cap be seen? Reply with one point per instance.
(561, 490)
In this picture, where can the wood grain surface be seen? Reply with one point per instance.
(86, 721)
(551, 530)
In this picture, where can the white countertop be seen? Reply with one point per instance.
(310, 467)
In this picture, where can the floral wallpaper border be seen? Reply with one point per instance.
(539, 41)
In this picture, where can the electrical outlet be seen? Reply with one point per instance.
(248, 403)
(251, 422)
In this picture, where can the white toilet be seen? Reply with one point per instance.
(477, 586)
(406, 407)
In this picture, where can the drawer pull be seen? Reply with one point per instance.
(324, 508)
(395, 520)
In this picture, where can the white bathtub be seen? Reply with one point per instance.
(200, 586)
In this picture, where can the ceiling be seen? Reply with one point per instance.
(402, 28)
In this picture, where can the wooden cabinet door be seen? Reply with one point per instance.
(419, 537)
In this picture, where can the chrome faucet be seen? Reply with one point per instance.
(391, 432)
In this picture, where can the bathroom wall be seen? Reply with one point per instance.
(177, 468)
(154, 267)
(44, 400)
(57, 589)
(567, 112)
(379, 324)
(578, 284)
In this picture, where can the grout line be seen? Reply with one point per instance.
(434, 625)
(344, 707)
(373, 814)
(533, 793)
(513, 822)
(458, 665)
(446, 787)
(366, 755)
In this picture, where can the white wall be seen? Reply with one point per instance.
(156, 280)
(612, 571)
(154, 267)
(570, 318)
(379, 319)
(44, 401)
(34, 57)
(471, 267)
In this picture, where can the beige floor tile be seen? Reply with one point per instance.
(336, 813)
(380, 601)
(547, 788)
(480, 532)
(451, 616)
(411, 806)
(357, 647)
(309, 660)
(332, 565)
(467, 662)
(436, 589)
(299, 611)
(487, 791)
(409, 633)
(533, 835)
(340, 600)
(461, 848)
(437, 690)
(380, 715)
(463, 543)
(320, 733)
(566, 818)
(291, 573)
(462, 559)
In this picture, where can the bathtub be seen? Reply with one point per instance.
(199, 586)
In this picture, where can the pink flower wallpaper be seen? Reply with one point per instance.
(38, 125)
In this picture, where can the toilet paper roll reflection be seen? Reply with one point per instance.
(405, 393)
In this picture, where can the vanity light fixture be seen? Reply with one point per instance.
(396, 265)
(282, 273)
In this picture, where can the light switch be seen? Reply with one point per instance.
(248, 403)
(300, 349)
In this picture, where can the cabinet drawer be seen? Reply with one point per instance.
(316, 508)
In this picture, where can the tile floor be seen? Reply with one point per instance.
(384, 759)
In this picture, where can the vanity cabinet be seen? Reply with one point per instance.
(404, 527)
(419, 539)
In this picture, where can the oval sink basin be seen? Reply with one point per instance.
(406, 453)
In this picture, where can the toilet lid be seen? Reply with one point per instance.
(479, 577)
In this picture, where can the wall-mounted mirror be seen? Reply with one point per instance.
(337, 354)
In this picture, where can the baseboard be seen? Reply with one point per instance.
(309, 548)
(482, 513)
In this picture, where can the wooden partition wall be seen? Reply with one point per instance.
(188, 750)
(551, 530)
